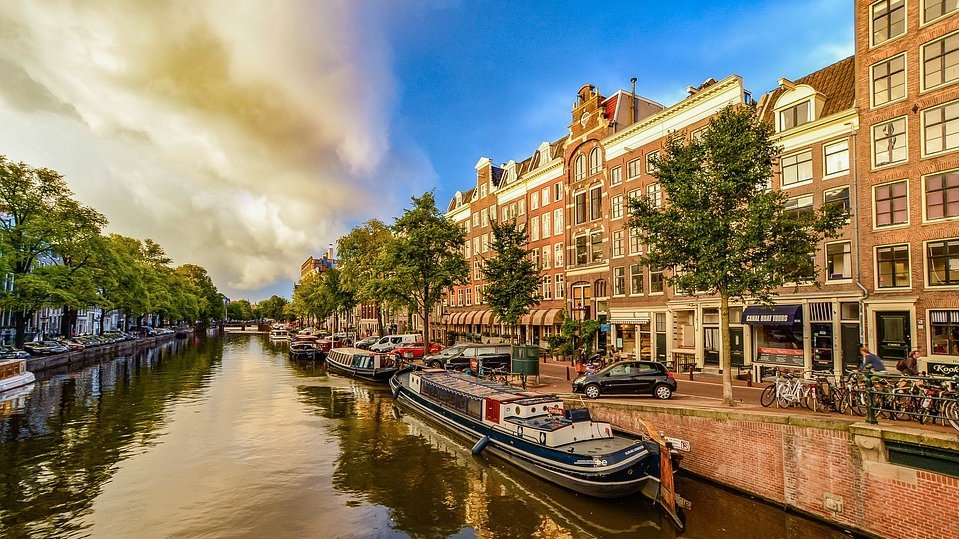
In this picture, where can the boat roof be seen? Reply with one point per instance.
(477, 387)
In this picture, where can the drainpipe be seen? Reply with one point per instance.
(855, 235)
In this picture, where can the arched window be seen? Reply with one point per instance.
(580, 167)
(595, 164)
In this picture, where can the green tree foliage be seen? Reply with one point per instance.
(512, 278)
(209, 300)
(722, 230)
(333, 297)
(365, 267)
(426, 256)
(239, 310)
(273, 308)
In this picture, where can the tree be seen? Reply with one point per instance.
(365, 268)
(273, 307)
(512, 279)
(209, 300)
(239, 310)
(426, 257)
(722, 230)
(41, 221)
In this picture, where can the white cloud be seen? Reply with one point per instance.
(242, 136)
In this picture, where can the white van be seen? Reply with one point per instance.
(390, 342)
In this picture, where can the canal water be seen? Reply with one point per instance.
(229, 438)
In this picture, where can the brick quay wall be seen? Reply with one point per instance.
(40, 363)
(840, 471)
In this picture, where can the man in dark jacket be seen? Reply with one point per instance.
(870, 361)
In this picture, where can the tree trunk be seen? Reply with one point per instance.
(379, 318)
(103, 320)
(20, 325)
(68, 321)
(726, 360)
(426, 332)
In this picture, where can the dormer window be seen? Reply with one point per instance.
(483, 190)
(794, 116)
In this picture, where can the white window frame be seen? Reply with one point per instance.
(547, 229)
(547, 256)
(875, 258)
(615, 176)
(810, 112)
(616, 207)
(831, 190)
(649, 165)
(905, 28)
(782, 172)
(534, 200)
(618, 234)
(954, 121)
(872, 81)
(925, 265)
(557, 191)
(654, 192)
(544, 197)
(534, 229)
(825, 161)
(649, 283)
(622, 271)
(925, 203)
(558, 221)
(558, 255)
(521, 206)
(875, 215)
(922, 16)
(872, 143)
(639, 170)
(560, 286)
(922, 65)
(825, 251)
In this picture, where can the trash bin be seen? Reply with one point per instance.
(525, 359)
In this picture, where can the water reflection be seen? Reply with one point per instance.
(229, 437)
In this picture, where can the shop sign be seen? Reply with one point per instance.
(943, 369)
(605, 328)
(781, 356)
(768, 319)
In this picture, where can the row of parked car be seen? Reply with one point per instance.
(67, 344)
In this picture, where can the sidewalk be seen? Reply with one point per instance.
(704, 392)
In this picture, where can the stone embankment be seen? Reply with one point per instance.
(883, 480)
(36, 364)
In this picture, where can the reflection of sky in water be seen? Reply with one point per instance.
(230, 438)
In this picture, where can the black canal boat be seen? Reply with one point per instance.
(363, 364)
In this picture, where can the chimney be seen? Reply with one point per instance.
(632, 109)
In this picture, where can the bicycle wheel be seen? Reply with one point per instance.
(768, 396)
(840, 400)
(812, 399)
(950, 411)
(857, 401)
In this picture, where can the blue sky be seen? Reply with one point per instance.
(247, 136)
(495, 79)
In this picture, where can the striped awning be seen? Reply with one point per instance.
(549, 318)
(943, 317)
(629, 317)
(472, 317)
(486, 317)
(527, 318)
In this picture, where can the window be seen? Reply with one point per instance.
(888, 20)
(596, 250)
(557, 191)
(557, 221)
(534, 229)
(838, 261)
(632, 169)
(892, 203)
(945, 332)
(942, 195)
(836, 156)
(595, 203)
(697, 135)
(595, 163)
(795, 115)
(655, 194)
(889, 80)
(616, 176)
(547, 256)
(635, 247)
(619, 281)
(799, 205)
(655, 280)
(479, 294)
(547, 225)
(650, 158)
(476, 219)
(534, 256)
(937, 8)
(522, 206)
(582, 249)
(460, 295)
(617, 243)
(838, 196)
(889, 142)
(893, 266)
(579, 205)
(477, 270)
(943, 261)
(485, 215)
(476, 245)
(492, 213)
(560, 286)
(547, 287)
(469, 296)
(544, 197)
(579, 167)
(796, 168)
(485, 243)
(941, 128)
(636, 279)
(558, 254)
(483, 191)
(940, 62)
(466, 250)
(616, 209)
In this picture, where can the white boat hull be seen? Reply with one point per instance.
(19, 380)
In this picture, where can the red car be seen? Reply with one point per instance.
(415, 350)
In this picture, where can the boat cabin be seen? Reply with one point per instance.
(12, 367)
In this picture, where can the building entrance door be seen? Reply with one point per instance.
(892, 334)
(737, 357)
(850, 346)
(711, 346)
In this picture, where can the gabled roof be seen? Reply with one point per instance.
(467, 196)
(609, 106)
(836, 82)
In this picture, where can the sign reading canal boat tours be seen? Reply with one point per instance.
(781, 356)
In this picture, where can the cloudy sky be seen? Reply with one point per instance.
(246, 135)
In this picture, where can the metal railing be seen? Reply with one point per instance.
(926, 399)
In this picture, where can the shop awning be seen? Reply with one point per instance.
(772, 315)
(487, 317)
(453, 318)
(549, 318)
(634, 318)
(527, 318)
(472, 317)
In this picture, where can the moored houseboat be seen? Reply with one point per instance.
(279, 334)
(361, 364)
(14, 374)
(304, 350)
(536, 432)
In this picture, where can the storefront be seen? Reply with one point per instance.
(777, 334)
(631, 332)
(943, 355)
